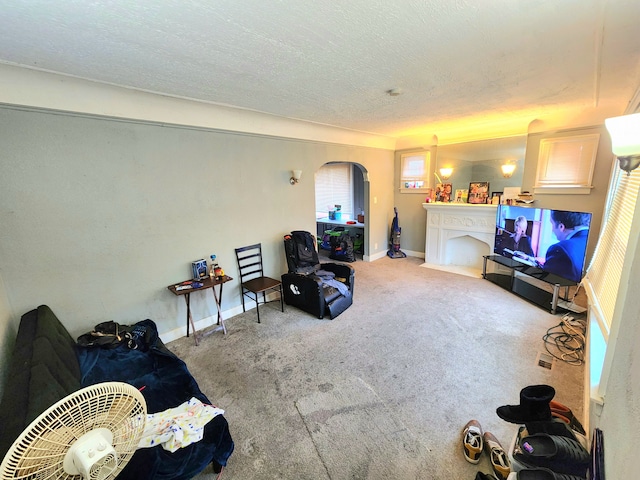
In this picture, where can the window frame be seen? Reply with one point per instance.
(584, 148)
(426, 172)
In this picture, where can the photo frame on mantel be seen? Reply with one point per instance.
(462, 195)
(478, 192)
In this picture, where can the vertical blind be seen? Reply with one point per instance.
(334, 186)
(605, 271)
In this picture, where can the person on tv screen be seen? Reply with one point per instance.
(518, 244)
(566, 257)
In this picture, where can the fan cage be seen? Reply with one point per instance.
(40, 450)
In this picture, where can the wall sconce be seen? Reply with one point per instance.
(295, 176)
(508, 169)
(625, 140)
(445, 173)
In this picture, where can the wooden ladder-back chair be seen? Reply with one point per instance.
(253, 282)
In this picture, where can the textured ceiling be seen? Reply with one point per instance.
(456, 61)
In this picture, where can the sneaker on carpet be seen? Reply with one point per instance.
(499, 459)
(472, 442)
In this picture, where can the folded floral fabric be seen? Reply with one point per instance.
(178, 427)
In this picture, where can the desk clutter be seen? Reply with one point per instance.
(188, 284)
(341, 243)
(203, 281)
(335, 212)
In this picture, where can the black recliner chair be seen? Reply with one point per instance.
(320, 289)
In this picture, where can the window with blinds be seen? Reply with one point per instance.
(605, 271)
(415, 171)
(334, 186)
(567, 162)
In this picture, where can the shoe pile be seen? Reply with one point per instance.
(547, 446)
(474, 442)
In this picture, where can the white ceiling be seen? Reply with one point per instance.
(459, 63)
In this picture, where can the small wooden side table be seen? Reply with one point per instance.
(207, 282)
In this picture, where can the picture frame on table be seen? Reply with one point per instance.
(199, 269)
(496, 197)
(478, 192)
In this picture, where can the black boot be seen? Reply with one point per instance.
(534, 405)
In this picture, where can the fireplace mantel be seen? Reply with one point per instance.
(459, 234)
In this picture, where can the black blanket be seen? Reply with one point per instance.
(165, 382)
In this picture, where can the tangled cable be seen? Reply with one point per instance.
(567, 340)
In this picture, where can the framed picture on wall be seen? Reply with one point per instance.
(478, 192)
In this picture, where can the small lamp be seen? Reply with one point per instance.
(295, 176)
(445, 173)
(625, 140)
(508, 169)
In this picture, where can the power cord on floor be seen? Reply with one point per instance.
(566, 341)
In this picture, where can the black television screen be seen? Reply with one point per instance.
(552, 240)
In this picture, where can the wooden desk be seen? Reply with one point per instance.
(207, 282)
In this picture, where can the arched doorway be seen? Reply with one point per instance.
(345, 184)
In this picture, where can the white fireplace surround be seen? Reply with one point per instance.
(458, 235)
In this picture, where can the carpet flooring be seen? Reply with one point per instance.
(384, 390)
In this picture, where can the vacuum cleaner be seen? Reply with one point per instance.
(394, 241)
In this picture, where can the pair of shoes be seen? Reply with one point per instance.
(497, 455)
(541, 474)
(474, 441)
(562, 455)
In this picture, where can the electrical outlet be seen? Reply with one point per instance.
(375, 246)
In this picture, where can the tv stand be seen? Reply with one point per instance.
(531, 283)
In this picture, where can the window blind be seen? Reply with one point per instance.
(605, 271)
(415, 168)
(567, 161)
(334, 186)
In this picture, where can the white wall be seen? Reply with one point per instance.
(99, 216)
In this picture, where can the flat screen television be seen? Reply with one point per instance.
(553, 240)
